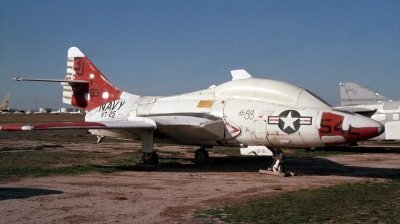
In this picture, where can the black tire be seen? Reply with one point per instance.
(152, 160)
(201, 155)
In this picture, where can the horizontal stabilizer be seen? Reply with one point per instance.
(146, 124)
(52, 80)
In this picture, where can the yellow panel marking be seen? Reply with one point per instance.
(205, 104)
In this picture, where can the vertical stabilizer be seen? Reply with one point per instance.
(354, 94)
(4, 105)
(88, 95)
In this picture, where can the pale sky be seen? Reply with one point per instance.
(168, 47)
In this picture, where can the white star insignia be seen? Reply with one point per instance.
(289, 121)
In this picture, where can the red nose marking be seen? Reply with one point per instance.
(331, 125)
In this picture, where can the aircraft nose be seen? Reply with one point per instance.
(364, 127)
(341, 127)
(381, 128)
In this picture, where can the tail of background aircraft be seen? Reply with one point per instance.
(97, 90)
(354, 94)
(4, 105)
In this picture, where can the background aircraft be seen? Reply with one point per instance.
(362, 100)
(245, 112)
(4, 109)
(4, 105)
(76, 112)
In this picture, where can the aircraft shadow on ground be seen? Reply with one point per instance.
(7, 193)
(299, 165)
(325, 167)
(374, 149)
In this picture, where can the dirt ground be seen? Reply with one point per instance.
(170, 193)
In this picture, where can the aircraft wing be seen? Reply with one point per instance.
(143, 124)
(368, 112)
(183, 128)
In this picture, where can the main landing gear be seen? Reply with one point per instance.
(277, 166)
(201, 154)
(150, 158)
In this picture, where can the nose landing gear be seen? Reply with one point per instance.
(277, 166)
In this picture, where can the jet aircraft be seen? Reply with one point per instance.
(246, 112)
(362, 100)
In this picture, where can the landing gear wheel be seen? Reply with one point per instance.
(152, 158)
(201, 155)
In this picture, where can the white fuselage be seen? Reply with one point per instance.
(247, 112)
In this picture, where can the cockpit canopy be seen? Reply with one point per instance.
(272, 91)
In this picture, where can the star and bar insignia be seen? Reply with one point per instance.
(289, 121)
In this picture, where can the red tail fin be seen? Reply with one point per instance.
(87, 96)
